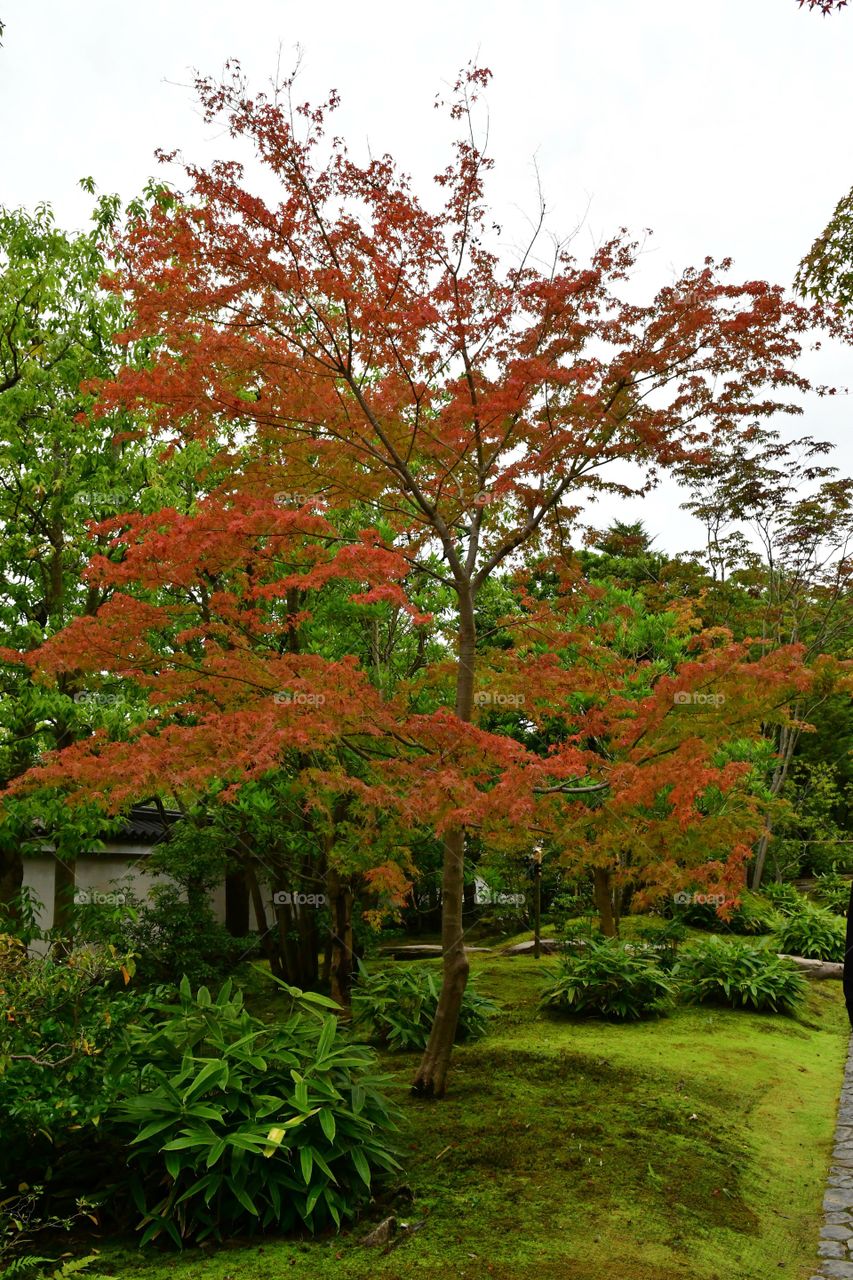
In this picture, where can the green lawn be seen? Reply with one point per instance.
(696, 1147)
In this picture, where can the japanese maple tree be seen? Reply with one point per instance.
(382, 354)
(668, 718)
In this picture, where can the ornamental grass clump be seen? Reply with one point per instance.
(739, 975)
(396, 1007)
(813, 932)
(606, 978)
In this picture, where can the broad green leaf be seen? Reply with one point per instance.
(214, 1072)
(361, 1165)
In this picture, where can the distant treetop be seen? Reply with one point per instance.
(623, 539)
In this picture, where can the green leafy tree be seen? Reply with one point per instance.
(64, 475)
(779, 525)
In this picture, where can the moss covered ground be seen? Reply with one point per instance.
(695, 1146)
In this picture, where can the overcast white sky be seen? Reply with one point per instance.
(723, 125)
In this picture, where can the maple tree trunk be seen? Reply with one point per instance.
(537, 909)
(761, 855)
(267, 944)
(289, 952)
(431, 1079)
(306, 924)
(620, 898)
(788, 739)
(340, 932)
(601, 888)
(236, 903)
(297, 944)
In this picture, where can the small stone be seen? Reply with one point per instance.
(383, 1233)
(826, 1249)
(833, 1232)
(833, 1270)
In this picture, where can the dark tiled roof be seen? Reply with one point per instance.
(146, 824)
